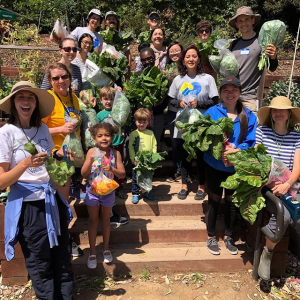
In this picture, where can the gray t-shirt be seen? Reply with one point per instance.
(247, 53)
(202, 87)
(98, 40)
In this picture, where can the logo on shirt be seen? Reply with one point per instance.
(193, 88)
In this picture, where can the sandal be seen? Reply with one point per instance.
(121, 194)
(182, 194)
(200, 195)
(92, 262)
(107, 256)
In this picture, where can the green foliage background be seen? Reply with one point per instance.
(179, 16)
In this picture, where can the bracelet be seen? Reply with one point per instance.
(289, 182)
(56, 156)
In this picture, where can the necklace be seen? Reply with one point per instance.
(30, 147)
(278, 144)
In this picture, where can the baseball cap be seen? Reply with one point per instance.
(230, 80)
(111, 13)
(94, 11)
(154, 13)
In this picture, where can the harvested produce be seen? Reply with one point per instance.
(121, 109)
(117, 39)
(103, 186)
(30, 147)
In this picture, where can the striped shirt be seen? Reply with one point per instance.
(81, 65)
(286, 144)
(76, 80)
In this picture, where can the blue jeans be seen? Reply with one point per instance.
(135, 190)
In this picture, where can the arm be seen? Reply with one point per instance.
(67, 128)
(271, 51)
(131, 146)
(86, 168)
(154, 144)
(118, 170)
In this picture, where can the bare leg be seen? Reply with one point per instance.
(93, 227)
(105, 222)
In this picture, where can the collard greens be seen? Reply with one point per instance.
(252, 168)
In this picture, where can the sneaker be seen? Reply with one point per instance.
(118, 220)
(265, 264)
(200, 195)
(135, 199)
(182, 194)
(230, 246)
(92, 262)
(213, 246)
(76, 251)
(107, 256)
(148, 196)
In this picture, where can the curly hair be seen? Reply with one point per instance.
(203, 24)
(112, 130)
(182, 68)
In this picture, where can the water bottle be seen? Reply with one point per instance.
(292, 205)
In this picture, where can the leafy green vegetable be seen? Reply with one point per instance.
(252, 168)
(207, 48)
(117, 39)
(271, 32)
(58, 171)
(30, 147)
(229, 66)
(204, 134)
(111, 66)
(147, 162)
(144, 37)
(121, 109)
(147, 89)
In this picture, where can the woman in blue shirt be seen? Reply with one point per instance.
(216, 171)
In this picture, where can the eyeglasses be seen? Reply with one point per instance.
(63, 77)
(154, 18)
(149, 58)
(204, 30)
(175, 51)
(69, 49)
(87, 43)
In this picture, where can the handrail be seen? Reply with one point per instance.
(269, 196)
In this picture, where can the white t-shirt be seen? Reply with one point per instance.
(12, 151)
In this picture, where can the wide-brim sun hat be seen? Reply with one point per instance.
(244, 10)
(46, 100)
(279, 102)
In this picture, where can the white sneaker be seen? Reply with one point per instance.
(107, 256)
(92, 262)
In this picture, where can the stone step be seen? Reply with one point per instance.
(166, 203)
(168, 257)
(149, 229)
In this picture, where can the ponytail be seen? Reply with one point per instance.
(243, 120)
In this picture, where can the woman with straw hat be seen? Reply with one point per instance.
(283, 142)
(35, 215)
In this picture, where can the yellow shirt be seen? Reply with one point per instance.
(59, 115)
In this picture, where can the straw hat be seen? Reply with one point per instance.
(244, 10)
(279, 102)
(46, 100)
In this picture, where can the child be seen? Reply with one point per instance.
(107, 95)
(111, 164)
(140, 139)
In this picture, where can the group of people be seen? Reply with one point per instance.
(37, 211)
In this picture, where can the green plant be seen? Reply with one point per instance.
(145, 275)
(7, 84)
(197, 277)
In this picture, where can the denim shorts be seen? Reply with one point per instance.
(95, 200)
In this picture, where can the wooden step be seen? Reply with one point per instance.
(176, 257)
(149, 229)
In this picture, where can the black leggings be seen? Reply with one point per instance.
(213, 181)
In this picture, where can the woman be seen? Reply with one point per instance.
(66, 107)
(41, 230)
(283, 142)
(94, 20)
(68, 50)
(157, 37)
(195, 89)
(85, 44)
(216, 172)
(174, 52)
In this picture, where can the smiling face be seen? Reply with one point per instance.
(103, 139)
(230, 94)
(141, 124)
(111, 22)
(280, 115)
(25, 103)
(60, 81)
(191, 59)
(107, 103)
(147, 59)
(245, 24)
(157, 38)
(153, 21)
(68, 56)
(174, 53)
(94, 22)
(86, 44)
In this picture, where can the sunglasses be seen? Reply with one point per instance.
(63, 77)
(69, 49)
(87, 43)
(204, 30)
(149, 58)
(154, 18)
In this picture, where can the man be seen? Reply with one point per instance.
(154, 22)
(112, 21)
(247, 52)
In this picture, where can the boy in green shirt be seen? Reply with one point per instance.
(141, 139)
